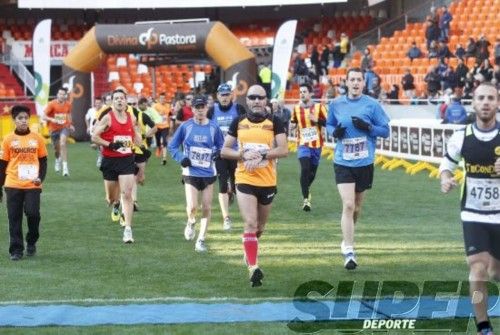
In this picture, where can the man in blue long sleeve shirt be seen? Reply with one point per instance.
(202, 141)
(455, 113)
(355, 120)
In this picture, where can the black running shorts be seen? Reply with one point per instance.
(362, 176)
(481, 237)
(264, 194)
(199, 183)
(112, 167)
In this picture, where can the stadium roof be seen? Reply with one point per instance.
(120, 4)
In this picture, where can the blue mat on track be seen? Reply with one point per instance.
(182, 313)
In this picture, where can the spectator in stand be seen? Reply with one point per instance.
(300, 69)
(470, 85)
(433, 50)
(265, 75)
(393, 95)
(433, 80)
(482, 51)
(485, 69)
(317, 90)
(345, 46)
(449, 79)
(325, 59)
(342, 87)
(330, 92)
(433, 14)
(369, 76)
(337, 55)
(496, 75)
(444, 51)
(375, 90)
(407, 82)
(366, 60)
(497, 52)
(444, 23)
(470, 49)
(431, 32)
(414, 52)
(315, 61)
(455, 113)
(442, 67)
(461, 73)
(459, 51)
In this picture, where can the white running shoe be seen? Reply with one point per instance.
(127, 235)
(57, 165)
(226, 226)
(350, 262)
(65, 172)
(200, 246)
(189, 232)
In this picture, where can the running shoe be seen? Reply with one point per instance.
(226, 226)
(200, 246)
(127, 235)
(256, 276)
(189, 232)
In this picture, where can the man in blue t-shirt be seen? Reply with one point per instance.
(201, 141)
(223, 113)
(355, 120)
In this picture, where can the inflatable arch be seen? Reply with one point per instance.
(212, 38)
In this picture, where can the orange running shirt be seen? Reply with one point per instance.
(60, 112)
(22, 153)
(308, 134)
(164, 110)
(257, 136)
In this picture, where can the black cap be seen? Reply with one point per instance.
(15, 110)
(199, 100)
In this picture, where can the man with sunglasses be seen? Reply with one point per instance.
(223, 113)
(308, 118)
(262, 140)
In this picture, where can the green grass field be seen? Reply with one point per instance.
(408, 230)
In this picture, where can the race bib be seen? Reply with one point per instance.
(224, 130)
(482, 194)
(27, 171)
(308, 135)
(127, 143)
(200, 157)
(60, 118)
(260, 147)
(355, 148)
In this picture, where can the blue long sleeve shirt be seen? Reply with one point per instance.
(357, 147)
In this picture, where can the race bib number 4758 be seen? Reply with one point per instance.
(483, 194)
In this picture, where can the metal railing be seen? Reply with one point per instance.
(21, 70)
(387, 29)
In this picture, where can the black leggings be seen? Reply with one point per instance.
(307, 175)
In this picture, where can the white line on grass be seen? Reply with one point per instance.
(145, 300)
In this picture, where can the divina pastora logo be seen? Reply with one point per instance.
(150, 38)
(395, 307)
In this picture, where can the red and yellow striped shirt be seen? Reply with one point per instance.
(309, 134)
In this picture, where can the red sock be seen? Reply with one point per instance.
(251, 246)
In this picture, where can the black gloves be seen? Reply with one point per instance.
(185, 162)
(216, 155)
(339, 131)
(116, 145)
(360, 124)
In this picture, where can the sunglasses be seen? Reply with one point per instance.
(188, 99)
(253, 97)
